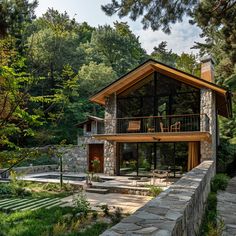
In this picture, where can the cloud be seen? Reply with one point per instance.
(182, 37)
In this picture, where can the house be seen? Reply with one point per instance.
(158, 117)
(91, 148)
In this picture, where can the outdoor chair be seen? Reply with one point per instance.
(163, 129)
(134, 126)
(175, 127)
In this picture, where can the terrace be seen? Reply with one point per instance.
(189, 127)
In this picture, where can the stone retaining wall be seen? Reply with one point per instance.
(30, 170)
(176, 212)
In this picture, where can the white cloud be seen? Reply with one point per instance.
(180, 40)
(182, 37)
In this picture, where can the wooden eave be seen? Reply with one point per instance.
(156, 137)
(141, 72)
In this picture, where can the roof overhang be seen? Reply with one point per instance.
(223, 96)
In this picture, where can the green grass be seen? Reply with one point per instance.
(42, 222)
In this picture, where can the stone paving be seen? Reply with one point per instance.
(177, 211)
(128, 203)
(226, 207)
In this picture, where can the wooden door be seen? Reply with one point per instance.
(96, 152)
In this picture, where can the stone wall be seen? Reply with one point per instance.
(178, 211)
(75, 157)
(208, 107)
(30, 170)
(110, 128)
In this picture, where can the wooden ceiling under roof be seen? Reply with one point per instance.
(223, 96)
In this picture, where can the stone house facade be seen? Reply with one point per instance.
(158, 116)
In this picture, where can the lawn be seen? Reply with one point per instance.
(54, 222)
(79, 220)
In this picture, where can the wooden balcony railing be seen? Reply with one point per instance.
(149, 124)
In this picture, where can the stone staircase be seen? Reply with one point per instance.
(97, 190)
(18, 204)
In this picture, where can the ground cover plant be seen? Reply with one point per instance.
(78, 220)
(212, 225)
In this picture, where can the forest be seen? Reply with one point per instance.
(51, 65)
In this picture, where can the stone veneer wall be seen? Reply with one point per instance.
(178, 211)
(110, 127)
(208, 106)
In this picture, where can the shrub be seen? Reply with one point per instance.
(155, 191)
(82, 205)
(105, 209)
(5, 189)
(116, 216)
(219, 182)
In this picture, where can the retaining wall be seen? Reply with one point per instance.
(176, 212)
(30, 170)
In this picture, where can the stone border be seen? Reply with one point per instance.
(177, 211)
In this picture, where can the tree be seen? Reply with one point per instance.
(156, 13)
(15, 15)
(116, 47)
(161, 54)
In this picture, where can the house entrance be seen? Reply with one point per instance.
(96, 153)
(139, 159)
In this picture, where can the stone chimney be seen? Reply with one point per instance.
(207, 68)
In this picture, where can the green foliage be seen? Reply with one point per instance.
(5, 190)
(156, 14)
(155, 191)
(219, 182)
(226, 156)
(116, 217)
(105, 209)
(81, 204)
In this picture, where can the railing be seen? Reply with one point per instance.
(149, 124)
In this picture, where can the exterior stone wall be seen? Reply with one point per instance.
(110, 127)
(178, 211)
(30, 170)
(75, 158)
(208, 107)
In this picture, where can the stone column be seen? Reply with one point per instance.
(110, 128)
(208, 107)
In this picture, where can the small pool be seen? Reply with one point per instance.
(68, 177)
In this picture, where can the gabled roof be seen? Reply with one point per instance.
(88, 120)
(223, 96)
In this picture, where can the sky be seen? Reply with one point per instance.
(180, 40)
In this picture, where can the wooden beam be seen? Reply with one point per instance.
(156, 137)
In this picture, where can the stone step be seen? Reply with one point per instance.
(28, 204)
(56, 204)
(16, 204)
(48, 204)
(97, 190)
(10, 202)
(39, 205)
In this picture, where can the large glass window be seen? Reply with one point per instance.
(140, 158)
(158, 95)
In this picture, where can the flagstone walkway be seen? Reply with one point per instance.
(226, 207)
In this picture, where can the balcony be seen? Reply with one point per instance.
(189, 127)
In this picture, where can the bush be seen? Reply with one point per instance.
(219, 182)
(116, 216)
(5, 189)
(155, 191)
(82, 205)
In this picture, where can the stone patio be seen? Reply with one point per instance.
(128, 203)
